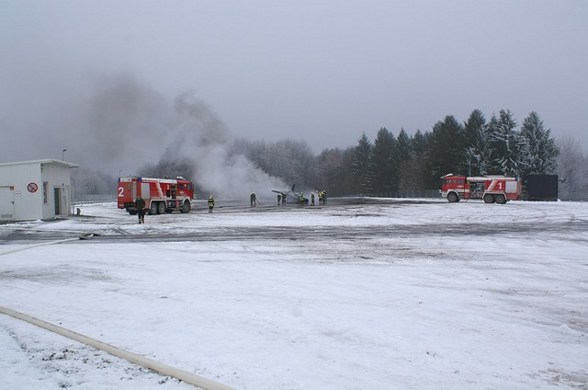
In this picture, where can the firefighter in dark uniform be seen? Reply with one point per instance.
(140, 206)
(210, 203)
(323, 197)
(312, 198)
(253, 199)
(279, 199)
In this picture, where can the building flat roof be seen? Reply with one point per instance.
(44, 161)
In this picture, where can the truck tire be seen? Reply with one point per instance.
(452, 197)
(161, 208)
(185, 207)
(153, 208)
(500, 199)
(488, 198)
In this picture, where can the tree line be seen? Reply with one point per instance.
(411, 164)
(400, 164)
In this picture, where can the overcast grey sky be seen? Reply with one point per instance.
(323, 71)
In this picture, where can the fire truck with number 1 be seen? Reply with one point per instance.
(490, 189)
(160, 195)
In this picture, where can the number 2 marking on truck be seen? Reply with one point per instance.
(121, 192)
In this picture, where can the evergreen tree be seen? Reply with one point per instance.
(508, 146)
(541, 149)
(416, 172)
(445, 152)
(362, 169)
(477, 144)
(384, 163)
(403, 146)
(405, 162)
(419, 142)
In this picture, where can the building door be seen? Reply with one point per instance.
(6, 203)
(57, 199)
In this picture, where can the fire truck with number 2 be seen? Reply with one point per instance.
(160, 195)
(490, 189)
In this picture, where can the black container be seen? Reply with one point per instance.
(541, 187)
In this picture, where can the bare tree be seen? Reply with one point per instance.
(572, 170)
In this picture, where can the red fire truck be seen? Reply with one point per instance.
(490, 189)
(160, 195)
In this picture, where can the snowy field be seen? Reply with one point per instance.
(397, 295)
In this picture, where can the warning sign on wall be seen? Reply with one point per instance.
(32, 187)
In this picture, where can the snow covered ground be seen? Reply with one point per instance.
(398, 295)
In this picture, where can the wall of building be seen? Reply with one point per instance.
(56, 180)
(25, 183)
(34, 190)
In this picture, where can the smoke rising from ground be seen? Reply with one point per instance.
(197, 133)
(120, 126)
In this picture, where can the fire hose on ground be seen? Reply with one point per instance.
(161, 368)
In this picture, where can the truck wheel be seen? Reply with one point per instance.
(452, 197)
(153, 208)
(185, 207)
(500, 199)
(489, 198)
(161, 208)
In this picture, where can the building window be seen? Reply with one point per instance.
(45, 186)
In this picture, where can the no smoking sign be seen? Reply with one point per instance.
(32, 187)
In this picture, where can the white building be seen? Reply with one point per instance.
(39, 189)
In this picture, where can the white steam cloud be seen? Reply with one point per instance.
(198, 134)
